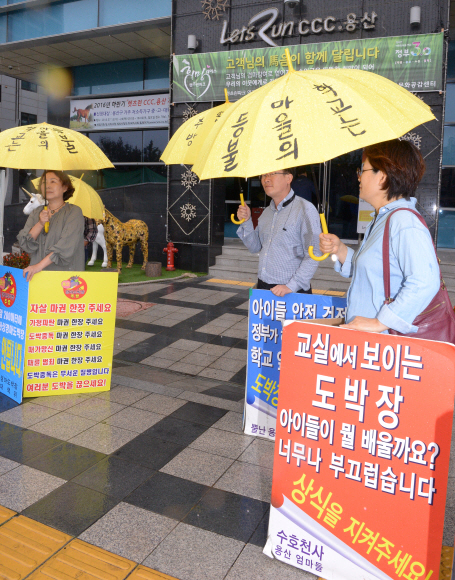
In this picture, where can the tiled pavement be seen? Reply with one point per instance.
(157, 470)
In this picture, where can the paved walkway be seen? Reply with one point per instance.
(157, 470)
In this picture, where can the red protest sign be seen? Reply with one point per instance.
(362, 453)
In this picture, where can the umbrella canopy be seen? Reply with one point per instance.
(84, 196)
(46, 146)
(307, 117)
(350, 199)
(187, 141)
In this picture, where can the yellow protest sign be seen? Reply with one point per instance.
(70, 333)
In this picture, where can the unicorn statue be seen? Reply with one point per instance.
(36, 200)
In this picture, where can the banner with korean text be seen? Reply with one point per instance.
(361, 454)
(70, 333)
(141, 112)
(13, 323)
(266, 314)
(414, 62)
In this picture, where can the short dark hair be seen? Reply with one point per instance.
(290, 170)
(402, 164)
(64, 178)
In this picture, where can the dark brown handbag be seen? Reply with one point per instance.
(437, 322)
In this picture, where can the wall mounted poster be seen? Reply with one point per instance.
(13, 323)
(266, 315)
(414, 62)
(140, 112)
(361, 454)
(70, 333)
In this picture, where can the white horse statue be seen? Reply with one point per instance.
(37, 200)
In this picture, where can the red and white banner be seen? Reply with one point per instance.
(362, 454)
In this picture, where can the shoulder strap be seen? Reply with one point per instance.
(386, 250)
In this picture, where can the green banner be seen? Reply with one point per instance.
(413, 62)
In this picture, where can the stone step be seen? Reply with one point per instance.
(239, 265)
(238, 254)
(233, 274)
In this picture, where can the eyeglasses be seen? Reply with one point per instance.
(360, 171)
(270, 174)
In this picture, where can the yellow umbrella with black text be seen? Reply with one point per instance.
(307, 117)
(48, 147)
(187, 141)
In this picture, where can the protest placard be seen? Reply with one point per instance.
(266, 314)
(361, 454)
(13, 322)
(70, 333)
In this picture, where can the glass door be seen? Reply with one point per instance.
(340, 194)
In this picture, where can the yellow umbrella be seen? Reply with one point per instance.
(307, 117)
(187, 141)
(46, 146)
(84, 196)
(350, 199)
(49, 147)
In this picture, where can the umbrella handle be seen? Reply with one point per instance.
(324, 231)
(46, 225)
(233, 220)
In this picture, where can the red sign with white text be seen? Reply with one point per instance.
(361, 453)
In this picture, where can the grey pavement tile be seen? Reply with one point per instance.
(449, 520)
(141, 289)
(244, 306)
(197, 466)
(228, 364)
(222, 443)
(96, 409)
(212, 349)
(122, 395)
(129, 531)
(219, 374)
(185, 344)
(63, 426)
(156, 361)
(27, 414)
(123, 343)
(188, 383)
(7, 465)
(23, 486)
(255, 565)
(62, 402)
(231, 316)
(121, 332)
(184, 367)
(236, 354)
(159, 404)
(166, 321)
(137, 335)
(190, 553)
(246, 479)
(232, 333)
(133, 419)
(172, 354)
(212, 329)
(150, 387)
(183, 314)
(103, 438)
(212, 401)
(232, 422)
(199, 359)
(260, 452)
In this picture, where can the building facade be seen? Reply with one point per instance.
(243, 30)
(118, 54)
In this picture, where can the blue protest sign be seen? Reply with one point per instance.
(13, 324)
(266, 314)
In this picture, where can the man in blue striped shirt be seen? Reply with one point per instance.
(286, 228)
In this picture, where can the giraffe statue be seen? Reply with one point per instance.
(118, 234)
